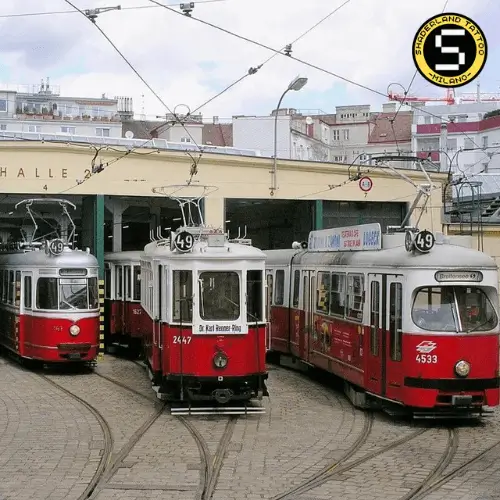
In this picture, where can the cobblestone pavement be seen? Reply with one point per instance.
(49, 444)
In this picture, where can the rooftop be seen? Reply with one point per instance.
(385, 130)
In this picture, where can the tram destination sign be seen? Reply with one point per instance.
(471, 276)
(346, 239)
(220, 328)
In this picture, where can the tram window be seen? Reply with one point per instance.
(374, 316)
(355, 296)
(270, 288)
(279, 288)
(17, 289)
(219, 296)
(73, 293)
(46, 293)
(93, 293)
(5, 294)
(2, 299)
(296, 289)
(337, 295)
(183, 296)
(395, 320)
(107, 283)
(12, 286)
(137, 283)
(119, 282)
(127, 270)
(435, 309)
(27, 292)
(323, 293)
(255, 310)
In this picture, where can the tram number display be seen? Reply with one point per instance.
(183, 241)
(56, 247)
(429, 359)
(424, 241)
(182, 339)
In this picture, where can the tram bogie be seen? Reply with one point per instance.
(404, 327)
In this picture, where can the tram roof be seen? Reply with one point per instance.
(440, 257)
(130, 255)
(38, 258)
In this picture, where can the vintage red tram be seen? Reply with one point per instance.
(408, 321)
(125, 325)
(203, 297)
(49, 298)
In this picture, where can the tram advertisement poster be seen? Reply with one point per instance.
(220, 328)
(345, 239)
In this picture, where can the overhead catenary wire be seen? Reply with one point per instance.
(301, 61)
(250, 72)
(132, 67)
(132, 7)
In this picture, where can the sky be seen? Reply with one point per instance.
(187, 63)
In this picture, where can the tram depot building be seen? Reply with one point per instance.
(116, 207)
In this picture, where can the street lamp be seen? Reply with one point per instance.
(296, 84)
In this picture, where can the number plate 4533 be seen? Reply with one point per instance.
(427, 358)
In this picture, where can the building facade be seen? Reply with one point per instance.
(353, 134)
(459, 137)
(42, 110)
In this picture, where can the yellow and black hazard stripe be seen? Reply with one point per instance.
(101, 320)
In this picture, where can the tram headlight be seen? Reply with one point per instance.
(74, 330)
(220, 360)
(462, 368)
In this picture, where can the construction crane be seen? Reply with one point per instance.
(450, 97)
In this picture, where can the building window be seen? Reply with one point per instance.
(346, 134)
(468, 144)
(68, 130)
(3, 126)
(102, 132)
(185, 139)
(3, 105)
(336, 135)
(485, 141)
(451, 144)
(427, 120)
(34, 128)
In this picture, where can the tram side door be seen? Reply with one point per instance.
(157, 294)
(269, 302)
(394, 375)
(27, 301)
(127, 297)
(375, 371)
(308, 298)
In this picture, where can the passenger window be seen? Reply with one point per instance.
(374, 316)
(6, 287)
(279, 292)
(254, 296)
(119, 282)
(17, 289)
(137, 282)
(355, 289)
(2, 299)
(296, 288)
(107, 283)
(12, 285)
(128, 284)
(183, 296)
(323, 293)
(337, 296)
(395, 320)
(27, 292)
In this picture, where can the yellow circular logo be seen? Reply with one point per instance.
(450, 50)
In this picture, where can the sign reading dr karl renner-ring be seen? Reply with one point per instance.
(449, 50)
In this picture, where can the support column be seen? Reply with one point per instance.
(99, 254)
(214, 212)
(117, 229)
(318, 215)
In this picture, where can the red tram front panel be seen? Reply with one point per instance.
(49, 338)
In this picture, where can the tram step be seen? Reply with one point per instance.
(218, 410)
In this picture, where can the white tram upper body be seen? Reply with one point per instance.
(416, 327)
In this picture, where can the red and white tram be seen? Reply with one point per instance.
(409, 321)
(49, 303)
(122, 301)
(204, 299)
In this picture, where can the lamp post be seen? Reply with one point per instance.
(296, 84)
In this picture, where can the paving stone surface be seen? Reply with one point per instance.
(50, 444)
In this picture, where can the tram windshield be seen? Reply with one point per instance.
(67, 293)
(453, 309)
(219, 296)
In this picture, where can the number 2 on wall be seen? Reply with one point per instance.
(427, 358)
